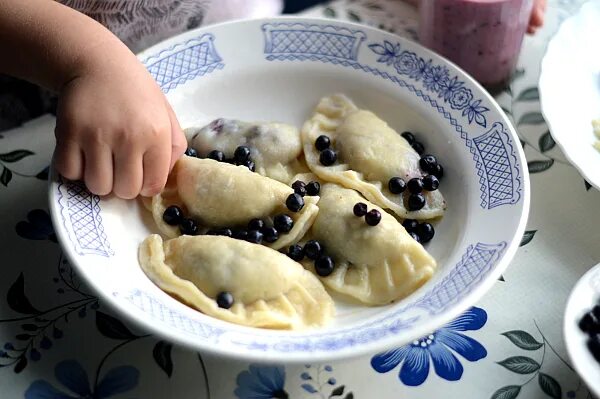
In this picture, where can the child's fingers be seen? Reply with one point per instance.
(178, 141)
(156, 169)
(98, 172)
(68, 160)
(128, 173)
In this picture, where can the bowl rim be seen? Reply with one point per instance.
(427, 325)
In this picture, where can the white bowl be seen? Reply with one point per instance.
(277, 69)
(570, 89)
(582, 299)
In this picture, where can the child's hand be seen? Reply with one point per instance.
(116, 130)
(537, 16)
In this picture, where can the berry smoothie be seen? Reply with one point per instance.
(483, 37)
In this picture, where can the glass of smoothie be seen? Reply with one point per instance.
(483, 37)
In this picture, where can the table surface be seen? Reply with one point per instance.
(58, 341)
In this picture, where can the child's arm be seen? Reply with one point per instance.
(115, 128)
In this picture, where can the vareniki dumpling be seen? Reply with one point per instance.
(275, 148)
(369, 154)
(268, 289)
(373, 264)
(220, 195)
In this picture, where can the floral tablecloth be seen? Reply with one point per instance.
(57, 340)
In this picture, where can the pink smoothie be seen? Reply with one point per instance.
(483, 37)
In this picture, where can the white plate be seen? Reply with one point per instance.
(277, 70)
(570, 89)
(584, 296)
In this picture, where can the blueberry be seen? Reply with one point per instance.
(188, 227)
(216, 155)
(360, 209)
(425, 232)
(415, 236)
(594, 346)
(250, 165)
(418, 147)
(324, 266)
(396, 185)
(439, 172)
(256, 224)
(430, 183)
(254, 236)
(313, 188)
(270, 234)
(294, 202)
(322, 142)
(373, 217)
(173, 215)
(408, 136)
(190, 152)
(589, 323)
(428, 163)
(225, 232)
(295, 252)
(328, 157)
(283, 223)
(416, 202)
(312, 249)
(596, 311)
(241, 154)
(299, 187)
(219, 232)
(239, 234)
(415, 185)
(410, 225)
(224, 299)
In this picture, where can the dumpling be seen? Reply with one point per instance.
(220, 195)
(369, 154)
(275, 148)
(269, 289)
(373, 264)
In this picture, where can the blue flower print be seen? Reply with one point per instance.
(449, 87)
(37, 227)
(436, 348)
(72, 375)
(436, 78)
(475, 111)
(460, 98)
(261, 382)
(408, 63)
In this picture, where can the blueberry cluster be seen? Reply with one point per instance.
(590, 324)
(328, 155)
(421, 232)
(257, 230)
(415, 186)
(372, 217)
(241, 156)
(295, 201)
(311, 188)
(313, 250)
